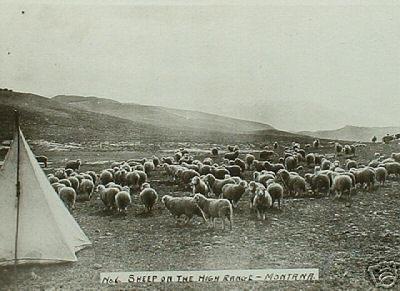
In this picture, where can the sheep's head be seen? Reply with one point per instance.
(165, 199)
(195, 180)
(199, 198)
(145, 186)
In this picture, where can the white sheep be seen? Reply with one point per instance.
(68, 196)
(341, 184)
(123, 199)
(215, 208)
(199, 186)
(233, 192)
(107, 195)
(262, 201)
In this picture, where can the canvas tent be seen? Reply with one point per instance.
(47, 233)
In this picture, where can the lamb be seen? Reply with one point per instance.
(86, 188)
(122, 200)
(107, 195)
(199, 186)
(232, 156)
(381, 175)
(275, 190)
(106, 177)
(233, 192)
(262, 201)
(178, 206)
(215, 185)
(68, 196)
(341, 184)
(73, 164)
(42, 159)
(215, 208)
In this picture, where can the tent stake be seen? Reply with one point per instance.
(18, 186)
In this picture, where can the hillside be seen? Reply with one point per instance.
(163, 117)
(52, 120)
(354, 133)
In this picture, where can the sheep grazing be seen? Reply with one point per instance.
(107, 195)
(179, 206)
(68, 196)
(364, 176)
(215, 208)
(148, 196)
(275, 190)
(122, 200)
(73, 164)
(106, 177)
(42, 159)
(214, 151)
(316, 144)
(232, 155)
(262, 201)
(392, 168)
(215, 185)
(341, 184)
(381, 175)
(233, 192)
(86, 188)
(199, 186)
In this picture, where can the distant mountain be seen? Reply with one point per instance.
(162, 116)
(353, 133)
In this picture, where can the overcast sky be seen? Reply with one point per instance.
(330, 65)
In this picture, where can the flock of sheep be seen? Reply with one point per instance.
(217, 187)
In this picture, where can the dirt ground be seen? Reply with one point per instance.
(340, 239)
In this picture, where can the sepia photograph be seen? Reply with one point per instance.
(199, 145)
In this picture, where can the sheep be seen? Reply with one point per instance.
(276, 145)
(42, 159)
(381, 175)
(263, 177)
(156, 161)
(132, 180)
(215, 208)
(232, 156)
(347, 149)
(86, 188)
(120, 177)
(106, 177)
(364, 175)
(93, 175)
(215, 185)
(341, 184)
(275, 190)
(148, 196)
(318, 158)
(233, 192)
(231, 148)
(319, 182)
(350, 164)
(149, 167)
(252, 190)
(294, 183)
(392, 168)
(205, 169)
(273, 167)
(219, 173)
(60, 174)
(68, 196)
(262, 201)
(167, 160)
(387, 139)
(122, 200)
(266, 155)
(73, 164)
(66, 182)
(107, 195)
(241, 164)
(187, 175)
(338, 148)
(208, 161)
(113, 185)
(316, 144)
(310, 159)
(248, 159)
(234, 171)
(74, 182)
(325, 164)
(214, 151)
(396, 157)
(52, 179)
(258, 165)
(290, 163)
(142, 178)
(178, 206)
(199, 186)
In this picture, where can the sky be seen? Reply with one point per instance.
(296, 65)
